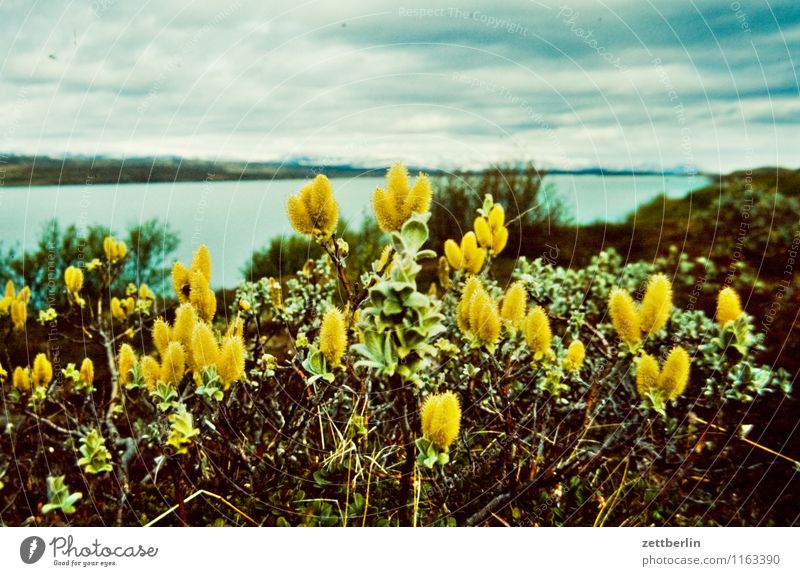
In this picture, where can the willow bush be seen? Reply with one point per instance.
(377, 397)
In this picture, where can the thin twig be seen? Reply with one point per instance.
(192, 497)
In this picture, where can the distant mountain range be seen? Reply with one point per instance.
(20, 170)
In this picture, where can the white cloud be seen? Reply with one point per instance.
(359, 81)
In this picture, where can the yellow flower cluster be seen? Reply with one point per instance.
(115, 250)
(491, 231)
(515, 302)
(121, 309)
(441, 419)
(394, 205)
(137, 299)
(40, 376)
(42, 372)
(8, 298)
(21, 379)
(73, 278)
(333, 336)
(729, 307)
(190, 343)
(16, 305)
(87, 371)
(538, 333)
(468, 256)
(668, 382)
(477, 314)
(126, 362)
(192, 284)
(314, 210)
(576, 353)
(631, 320)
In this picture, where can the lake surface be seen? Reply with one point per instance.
(235, 218)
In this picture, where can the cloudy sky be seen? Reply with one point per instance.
(709, 85)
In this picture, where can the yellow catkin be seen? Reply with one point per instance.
(484, 319)
(201, 260)
(204, 346)
(474, 256)
(395, 204)
(115, 250)
(647, 373)
(497, 217)
(21, 379)
(482, 231)
(87, 371)
(576, 353)
(183, 325)
(656, 305)
(201, 296)
(420, 196)
(468, 256)
(441, 419)
(151, 372)
(624, 316)
(181, 281)
(729, 306)
(333, 336)
(145, 293)
(73, 278)
(314, 209)
(24, 295)
(173, 363)
(109, 247)
(126, 360)
(499, 240)
(117, 311)
(230, 366)
(19, 314)
(453, 254)
(161, 334)
(42, 372)
(491, 231)
(129, 304)
(8, 298)
(472, 286)
(675, 374)
(515, 302)
(538, 333)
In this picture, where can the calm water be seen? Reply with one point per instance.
(235, 218)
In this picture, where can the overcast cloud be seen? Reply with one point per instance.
(621, 83)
